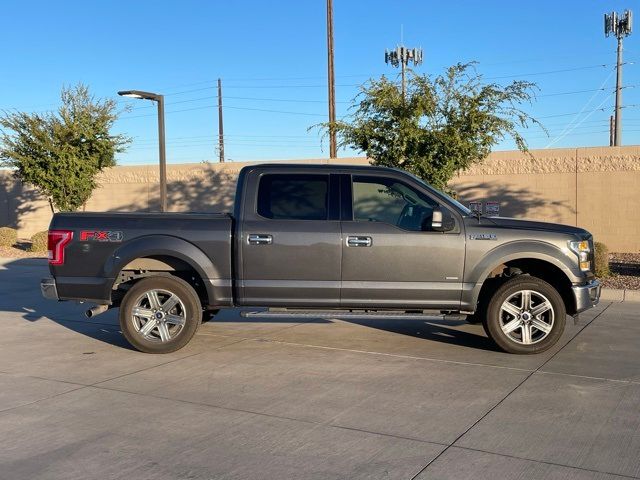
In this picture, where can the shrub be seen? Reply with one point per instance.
(39, 242)
(602, 260)
(8, 236)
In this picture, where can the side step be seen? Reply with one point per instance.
(359, 314)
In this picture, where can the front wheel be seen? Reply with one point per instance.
(160, 314)
(525, 315)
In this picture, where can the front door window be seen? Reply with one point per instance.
(377, 199)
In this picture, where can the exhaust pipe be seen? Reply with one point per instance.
(97, 310)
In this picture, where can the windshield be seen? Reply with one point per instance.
(464, 210)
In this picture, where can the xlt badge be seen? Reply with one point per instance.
(483, 236)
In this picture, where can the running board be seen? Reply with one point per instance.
(359, 314)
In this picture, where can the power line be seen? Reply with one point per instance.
(557, 94)
(575, 134)
(296, 100)
(209, 144)
(584, 107)
(300, 100)
(550, 72)
(571, 113)
(568, 131)
(229, 106)
(138, 139)
(260, 99)
(211, 140)
(324, 85)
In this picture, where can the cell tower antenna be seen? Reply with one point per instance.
(620, 27)
(401, 57)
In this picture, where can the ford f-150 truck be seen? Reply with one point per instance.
(317, 240)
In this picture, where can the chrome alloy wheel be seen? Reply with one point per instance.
(158, 315)
(526, 317)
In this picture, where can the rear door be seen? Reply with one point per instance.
(290, 240)
(390, 255)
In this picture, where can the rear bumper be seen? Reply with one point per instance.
(587, 296)
(48, 288)
(84, 289)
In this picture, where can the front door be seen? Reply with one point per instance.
(390, 255)
(291, 254)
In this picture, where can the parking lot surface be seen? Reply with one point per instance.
(319, 399)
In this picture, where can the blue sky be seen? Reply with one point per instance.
(271, 57)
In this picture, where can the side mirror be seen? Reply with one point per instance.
(441, 221)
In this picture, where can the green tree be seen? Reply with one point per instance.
(60, 153)
(443, 125)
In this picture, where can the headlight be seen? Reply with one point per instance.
(582, 250)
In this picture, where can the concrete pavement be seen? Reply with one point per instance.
(323, 399)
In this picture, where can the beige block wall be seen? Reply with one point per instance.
(595, 188)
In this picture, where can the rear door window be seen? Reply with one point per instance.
(293, 196)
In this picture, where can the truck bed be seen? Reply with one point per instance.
(103, 242)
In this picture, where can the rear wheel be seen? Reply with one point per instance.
(525, 315)
(160, 314)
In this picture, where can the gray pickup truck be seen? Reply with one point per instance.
(324, 240)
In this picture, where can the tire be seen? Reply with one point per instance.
(512, 322)
(147, 301)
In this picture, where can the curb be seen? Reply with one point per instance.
(612, 295)
(619, 295)
(631, 296)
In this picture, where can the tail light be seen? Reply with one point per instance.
(56, 241)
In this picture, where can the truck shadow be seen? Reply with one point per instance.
(434, 329)
(20, 293)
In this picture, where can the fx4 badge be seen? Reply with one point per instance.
(101, 236)
(483, 236)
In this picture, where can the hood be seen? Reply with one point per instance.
(535, 225)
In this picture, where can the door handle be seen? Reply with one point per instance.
(259, 239)
(359, 241)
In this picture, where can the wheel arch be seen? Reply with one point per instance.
(164, 253)
(538, 259)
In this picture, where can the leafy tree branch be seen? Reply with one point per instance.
(61, 153)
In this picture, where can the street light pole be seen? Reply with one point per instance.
(161, 141)
(162, 155)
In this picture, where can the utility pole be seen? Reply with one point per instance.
(401, 56)
(620, 27)
(333, 149)
(220, 124)
(612, 129)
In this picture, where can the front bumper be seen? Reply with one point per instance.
(587, 296)
(48, 288)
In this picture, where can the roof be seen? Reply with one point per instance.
(320, 167)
